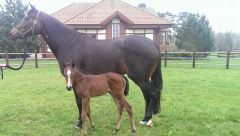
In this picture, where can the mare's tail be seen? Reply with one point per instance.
(157, 82)
(156, 78)
(126, 90)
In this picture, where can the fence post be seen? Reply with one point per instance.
(194, 59)
(36, 59)
(7, 58)
(165, 59)
(228, 59)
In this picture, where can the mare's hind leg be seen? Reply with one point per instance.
(79, 105)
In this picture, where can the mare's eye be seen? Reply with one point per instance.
(26, 18)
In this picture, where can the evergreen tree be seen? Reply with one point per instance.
(194, 33)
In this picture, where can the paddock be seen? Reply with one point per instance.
(200, 101)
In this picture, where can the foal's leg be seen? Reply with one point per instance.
(119, 115)
(128, 108)
(85, 106)
(79, 105)
(90, 116)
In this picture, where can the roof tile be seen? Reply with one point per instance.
(89, 13)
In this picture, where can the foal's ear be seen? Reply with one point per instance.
(64, 65)
(73, 64)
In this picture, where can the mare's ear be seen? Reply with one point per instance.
(33, 7)
(73, 64)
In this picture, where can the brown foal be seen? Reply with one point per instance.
(88, 86)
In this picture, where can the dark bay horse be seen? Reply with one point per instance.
(136, 56)
(88, 86)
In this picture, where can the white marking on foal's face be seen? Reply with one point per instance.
(69, 84)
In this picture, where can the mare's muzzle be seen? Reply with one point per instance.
(14, 33)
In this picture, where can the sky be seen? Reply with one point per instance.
(223, 15)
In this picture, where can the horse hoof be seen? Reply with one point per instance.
(148, 124)
(115, 131)
(78, 125)
(143, 123)
(134, 134)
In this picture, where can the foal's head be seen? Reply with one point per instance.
(69, 71)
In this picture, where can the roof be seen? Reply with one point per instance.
(71, 11)
(99, 13)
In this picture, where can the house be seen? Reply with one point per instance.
(110, 19)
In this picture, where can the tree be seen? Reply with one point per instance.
(220, 42)
(12, 12)
(227, 41)
(170, 35)
(236, 44)
(194, 33)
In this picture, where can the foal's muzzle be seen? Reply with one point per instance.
(69, 88)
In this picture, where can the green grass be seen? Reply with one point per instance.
(195, 102)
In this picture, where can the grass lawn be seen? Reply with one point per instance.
(195, 102)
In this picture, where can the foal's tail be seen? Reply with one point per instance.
(126, 90)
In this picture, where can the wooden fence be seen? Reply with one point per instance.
(191, 59)
(198, 58)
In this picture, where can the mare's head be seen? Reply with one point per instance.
(28, 26)
(69, 71)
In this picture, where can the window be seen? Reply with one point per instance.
(150, 36)
(101, 36)
(82, 30)
(139, 31)
(102, 31)
(115, 28)
(149, 33)
(91, 31)
(129, 31)
(95, 33)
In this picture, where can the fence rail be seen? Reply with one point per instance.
(191, 59)
(196, 58)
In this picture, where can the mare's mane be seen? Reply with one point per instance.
(54, 22)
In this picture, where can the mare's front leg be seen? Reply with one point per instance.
(79, 105)
(85, 106)
(150, 96)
